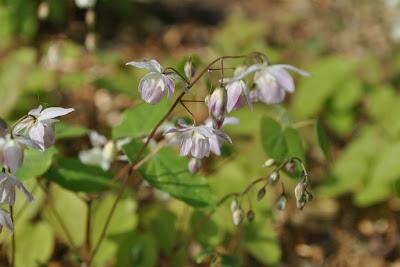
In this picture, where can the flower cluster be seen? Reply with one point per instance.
(39, 133)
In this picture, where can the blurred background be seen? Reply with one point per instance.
(73, 53)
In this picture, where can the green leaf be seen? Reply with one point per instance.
(328, 74)
(35, 163)
(34, 244)
(211, 233)
(230, 261)
(137, 250)
(280, 143)
(322, 139)
(66, 130)
(73, 175)
(204, 254)
(283, 115)
(168, 172)
(164, 229)
(272, 138)
(140, 120)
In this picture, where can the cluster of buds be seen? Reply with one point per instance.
(301, 193)
(37, 130)
(270, 86)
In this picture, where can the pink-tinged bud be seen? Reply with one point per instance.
(269, 163)
(301, 202)
(234, 205)
(238, 216)
(281, 203)
(291, 167)
(189, 68)
(217, 106)
(273, 178)
(250, 215)
(261, 193)
(194, 165)
(43, 10)
(299, 190)
(90, 41)
(90, 17)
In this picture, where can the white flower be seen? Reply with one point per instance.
(7, 189)
(215, 144)
(153, 86)
(6, 221)
(40, 125)
(12, 150)
(196, 139)
(85, 3)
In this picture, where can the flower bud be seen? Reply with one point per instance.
(189, 68)
(43, 10)
(90, 41)
(261, 193)
(291, 167)
(217, 106)
(194, 165)
(269, 163)
(234, 205)
(90, 17)
(273, 178)
(299, 190)
(309, 196)
(238, 216)
(281, 203)
(301, 202)
(250, 215)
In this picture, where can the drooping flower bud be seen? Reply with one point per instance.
(90, 17)
(261, 193)
(43, 10)
(269, 163)
(189, 68)
(299, 190)
(250, 215)
(194, 165)
(309, 196)
(281, 203)
(234, 205)
(238, 216)
(273, 178)
(301, 202)
(291, 167)
(217, 106)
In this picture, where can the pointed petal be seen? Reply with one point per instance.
(186, 145)
(223, 135)
(21, 187)
(36, 133)
(35, 112)
(29, 142)
(170, 85)
(184, 87)
(231, 120)
(143, 65)
(49, 137)
(215, 146)
(283, 78)
(23, 124)
(290, 67)
(13, 156)
(6, 220)
(50, 113)
(249, 70)
(183, 123)
(234, 91)
(175, 131)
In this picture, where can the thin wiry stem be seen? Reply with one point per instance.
(12, 263)
(194, 118)
(15, 123)
(132, 166)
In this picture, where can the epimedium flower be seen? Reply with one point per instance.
(196, 139)
(40, 125)
(104, 151)
(215, 144)
(217, 106)
(272, 82)
(12, 150)
(7, 189)
(154, 85)
(5, 220)
(238, 95)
